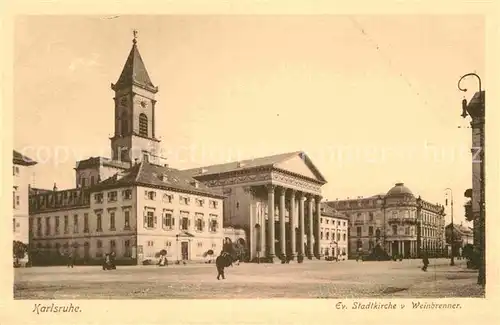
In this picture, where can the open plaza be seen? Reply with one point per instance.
(313, 279)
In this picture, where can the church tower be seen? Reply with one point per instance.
(134, 137)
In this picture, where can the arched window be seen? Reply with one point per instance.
(143, 125)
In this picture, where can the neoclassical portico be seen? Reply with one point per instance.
(275, 199)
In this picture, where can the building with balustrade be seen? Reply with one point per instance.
(275, 199)
(398, 221)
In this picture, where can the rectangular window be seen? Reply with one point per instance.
(213, 204)
(199, 202)
(149, 221)
(358, 231)
(66, 224)
(199, 223)
(183, 200)
(167, 198)
(47, 226)
(185, 223)
(85, 222)
(338, 236)
(370, 231)
(128, 249)
(344, 237)
(99, 222)
(127, 219)
(56, 226)
(39, 227)
(112, 196)
(112, 221)
(149, 195)
(168, 220)
(214, 225)
(99, 197)
(371, 216)
(14, 224)
(112, 244)
(75, 223)
(395, 230)
(127, 194)
(92, 181)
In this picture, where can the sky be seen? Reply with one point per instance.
(372, 100)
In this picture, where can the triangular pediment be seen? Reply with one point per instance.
(302, 165)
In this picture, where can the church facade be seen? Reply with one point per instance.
(275, 199)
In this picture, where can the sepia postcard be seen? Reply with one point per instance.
(249, 168)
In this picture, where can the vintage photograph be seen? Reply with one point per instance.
(276, 156)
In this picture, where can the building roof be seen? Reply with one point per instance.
(93, 162)
(151, 175)
(461, 229)
(268, 161)
(20, 159)
(399, 189)
(134, 72)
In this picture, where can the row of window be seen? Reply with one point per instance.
(335, 252)
(184, 221)
(432, 219)
(183, 199)
(408, 231)
(112, 196)
(327, 237)
(55, 228)
(68, 248)
(327, 221)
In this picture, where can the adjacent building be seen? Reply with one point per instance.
(457, 237)
(397, 221)
(20, 196)
(135, 213)
(333, 233)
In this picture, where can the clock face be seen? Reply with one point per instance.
(144, 103)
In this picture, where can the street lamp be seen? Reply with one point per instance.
(452, 261)
(381, 201)
(478, 117)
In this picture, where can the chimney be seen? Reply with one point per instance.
(55, 187)
(203, 170)
(165, 165)
(241, 164)
(136, 161)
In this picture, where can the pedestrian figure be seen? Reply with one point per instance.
(70, 259)
(222, 261)
(425, 261)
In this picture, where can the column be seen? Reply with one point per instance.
(270, 220)
(262, 222)
(293, 240)
(310, 203)
(301, 225)
(318, 228)
(282, 223)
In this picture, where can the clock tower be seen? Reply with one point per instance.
(134, 137)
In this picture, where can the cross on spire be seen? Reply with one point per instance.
(135, 36)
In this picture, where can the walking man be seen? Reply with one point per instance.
(425, 261)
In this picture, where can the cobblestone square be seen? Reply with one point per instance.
(312, 279)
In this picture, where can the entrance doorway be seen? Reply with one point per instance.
(185, 250)
(395, 248)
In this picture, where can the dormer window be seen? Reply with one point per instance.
(195, 184)
(112, 196)
(164, 177)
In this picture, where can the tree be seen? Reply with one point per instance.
(19, 250)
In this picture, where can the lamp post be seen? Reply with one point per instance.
(478, 117)
(452, 261)
(381, 201)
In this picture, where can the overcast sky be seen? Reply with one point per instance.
(372, 100)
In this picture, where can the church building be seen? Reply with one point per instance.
(131, 203)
